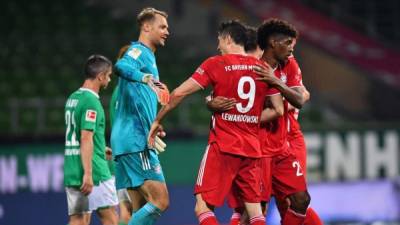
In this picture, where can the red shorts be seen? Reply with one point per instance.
(234, 200)
(297, 146)
(220, 171)
(287, 176)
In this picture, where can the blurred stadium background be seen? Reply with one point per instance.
(348, 52)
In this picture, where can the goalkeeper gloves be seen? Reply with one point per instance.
(159, 88)
(159, 145)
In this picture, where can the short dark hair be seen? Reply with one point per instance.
(148, 14)
(272, 27)
(251, 43)
(96, 64)
(235, 29)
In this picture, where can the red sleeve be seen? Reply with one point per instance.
(202, 75)
(294, 77)
(272, 91)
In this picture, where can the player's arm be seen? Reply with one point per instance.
(274, 108)
(306, 96)
(86, 158)
(129, 67)
(186, 88)
(220, 103)
(292, 94)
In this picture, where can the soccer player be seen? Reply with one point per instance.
(288, 70)
(87, 179)
(276, 37)
(222, 104)
(233, 153)
(137, 167)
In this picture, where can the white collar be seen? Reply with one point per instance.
(89, 90)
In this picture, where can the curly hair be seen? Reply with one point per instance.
(272, 27)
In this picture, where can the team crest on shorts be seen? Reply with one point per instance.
(157, 168)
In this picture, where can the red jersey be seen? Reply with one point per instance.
(274, 135)
(294, 126)
(235, 131)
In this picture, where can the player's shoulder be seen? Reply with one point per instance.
(137, 50)
(227, 58)
(214, 58)
(89, 98)
(292, 62)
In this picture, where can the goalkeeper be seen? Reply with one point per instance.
(137, 167)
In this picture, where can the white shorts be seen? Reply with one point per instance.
(102, 196)
(123, 195)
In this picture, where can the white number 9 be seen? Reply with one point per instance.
(249, 95)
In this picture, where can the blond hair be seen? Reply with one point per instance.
(148, 14)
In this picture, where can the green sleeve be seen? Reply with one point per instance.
(90, 114)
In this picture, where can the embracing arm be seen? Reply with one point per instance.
(292, 94)
(274, 108)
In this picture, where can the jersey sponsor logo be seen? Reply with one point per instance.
(239, 118)
(91, 115)
(135, 53)
(200, 71)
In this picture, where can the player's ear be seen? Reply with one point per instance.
(146, 26)
(230, 40)
(272, 42)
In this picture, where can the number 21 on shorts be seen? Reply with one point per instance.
(296, 165)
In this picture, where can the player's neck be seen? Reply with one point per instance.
(236, 49)
(147, 42)
(91, 85)
(270, 59)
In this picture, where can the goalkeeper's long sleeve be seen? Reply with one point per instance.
(130, 69)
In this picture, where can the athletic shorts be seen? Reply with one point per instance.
(297, 146)
(102, 196)
(123, 195)
(233, 199)
(219, 171)
(287, 176)
(131, 170)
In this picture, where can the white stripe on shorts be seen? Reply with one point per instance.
(145, 160)
(202, 166)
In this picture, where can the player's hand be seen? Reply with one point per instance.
(87, 184)
(221, 104)
(161, 90)
(159, 145)
(266, 74)
(108, 153)
(156, 128)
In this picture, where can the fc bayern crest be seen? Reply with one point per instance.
(283, 78)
